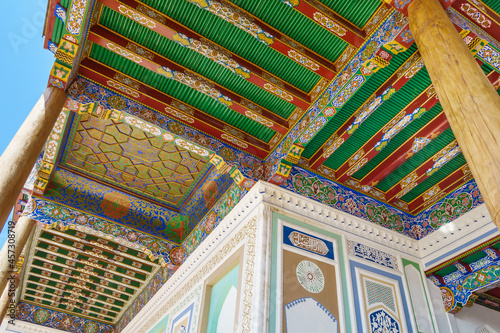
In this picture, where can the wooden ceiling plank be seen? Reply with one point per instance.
(73, 295)
(168, 28)
(330, 21)
(94, 255)
(80, 303)
(169, 69)
(74, 268)
(406, 71)
(78, 285)
(425, 101)
(94, 244)
(273, 38)
(71, 275)
(165, 104)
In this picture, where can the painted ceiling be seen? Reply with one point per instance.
(178, 107)
(337, 89)
(129, 172)
(471, 277)
(85, 276)
(134, 160)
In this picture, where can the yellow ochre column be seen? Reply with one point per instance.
(20, 156)
(6, 301)
(13, 247)
(469, 100)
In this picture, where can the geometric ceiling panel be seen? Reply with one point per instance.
(133, 160)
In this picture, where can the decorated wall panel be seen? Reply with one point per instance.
(380, 300)
(308, 286)
(181, 299)
(419, 298)
(181, 254)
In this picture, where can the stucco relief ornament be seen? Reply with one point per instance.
(310, 276)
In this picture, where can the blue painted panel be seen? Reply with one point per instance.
(359, 322)
(308, 242)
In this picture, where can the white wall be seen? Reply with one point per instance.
(469, 319)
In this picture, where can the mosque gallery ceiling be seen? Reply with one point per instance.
(336, 91)
(176, 108)
(92, 280)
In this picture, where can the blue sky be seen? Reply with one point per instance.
(24, 65)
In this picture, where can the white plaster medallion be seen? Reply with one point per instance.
(310, 276)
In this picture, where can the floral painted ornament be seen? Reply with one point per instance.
(310, 276)
(90, 327)
(384, 217)
(177, 255)
(315, 189)
(41, 316)
(450, 209)
(210, 222)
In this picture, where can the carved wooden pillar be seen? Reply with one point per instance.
(470, 102)
(18, 159)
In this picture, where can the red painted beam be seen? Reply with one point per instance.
(395, 81)
(447, 186)
(49, 24)
(399, 156)
(171, 29)
(333, 23)
(348, 168)
(164, 104)
(420, 174)
(483, 17)
(154, 62)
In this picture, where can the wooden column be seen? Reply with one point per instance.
(7, 296)
(11, 250)
(20, 156)
(470, 102)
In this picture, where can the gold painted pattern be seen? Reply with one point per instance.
(124, 53)
(179, 115)
(234, 140)
(278, 92)
(139, 18)
(122, 88)
(258, 118)
(303, 60)
(329, 24)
